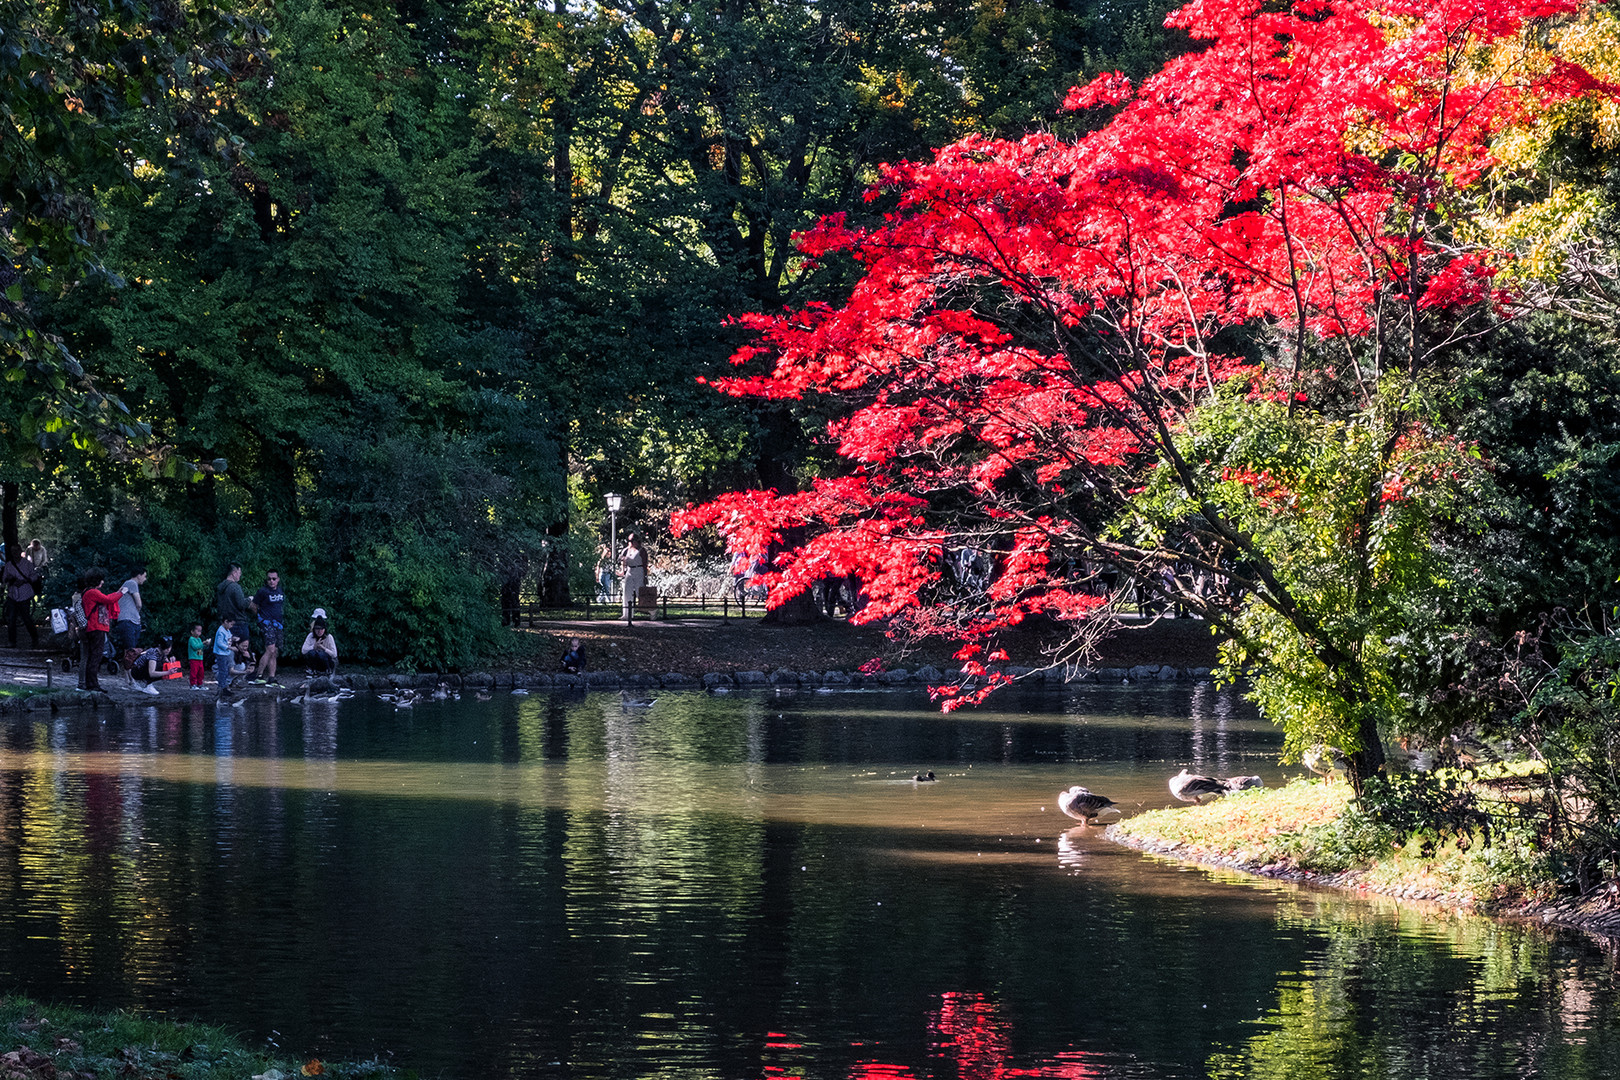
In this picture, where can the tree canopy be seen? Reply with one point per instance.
(1214, 342)
(385, 294)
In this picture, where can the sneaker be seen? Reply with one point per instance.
(148, 688)
(198, 688)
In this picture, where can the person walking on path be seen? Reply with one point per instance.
(634, 564)
(231, 601)
(99, 609)
(21, 580)
(126, 629)
(270, 602)
(38, 556)
(224, 652)
(604, 574)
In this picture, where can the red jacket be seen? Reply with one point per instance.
(100, 608)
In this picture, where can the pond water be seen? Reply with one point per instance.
(735, 887)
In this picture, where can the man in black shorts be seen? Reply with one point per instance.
(269, 602)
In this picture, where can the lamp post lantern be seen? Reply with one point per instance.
(615, 503)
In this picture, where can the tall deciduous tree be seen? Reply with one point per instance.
(86, 91)
(1036, 330)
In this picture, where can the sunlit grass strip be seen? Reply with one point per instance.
(45, 1040)
(1259, 826)
(1313, 830)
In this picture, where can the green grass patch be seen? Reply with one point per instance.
(15, 692)
(46, 1041)
(1316, 827)
(1262, 825)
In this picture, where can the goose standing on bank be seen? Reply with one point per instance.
(1324, 761)
(1083, 805)
(1191, 787)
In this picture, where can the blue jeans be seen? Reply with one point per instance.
(222, 670)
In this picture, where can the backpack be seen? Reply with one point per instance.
(76, 611)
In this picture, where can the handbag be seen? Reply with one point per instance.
(58, 621)
(647, 598)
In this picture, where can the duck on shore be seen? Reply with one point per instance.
(1325, 760)
(1193, 787)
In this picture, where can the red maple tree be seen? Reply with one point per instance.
(1037, 317)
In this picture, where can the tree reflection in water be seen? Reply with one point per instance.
(1424, 993)
(546, 889)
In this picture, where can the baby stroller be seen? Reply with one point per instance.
(65, 638)
(68, 638)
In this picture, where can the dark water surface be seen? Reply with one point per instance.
(735, 887)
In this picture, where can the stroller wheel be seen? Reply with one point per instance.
(110, 666)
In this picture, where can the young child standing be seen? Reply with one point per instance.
(224, 653)
(194, 657)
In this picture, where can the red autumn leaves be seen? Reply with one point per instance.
(1037, 315)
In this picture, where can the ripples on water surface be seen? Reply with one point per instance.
(735, 887)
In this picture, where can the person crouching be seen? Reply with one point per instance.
(320, 650)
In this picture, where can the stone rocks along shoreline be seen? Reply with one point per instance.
(174, 691)
(1597, 914)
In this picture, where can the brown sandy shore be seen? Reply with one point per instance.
(1597, 914)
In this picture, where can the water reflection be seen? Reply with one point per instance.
(740, 886)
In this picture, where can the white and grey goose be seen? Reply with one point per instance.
(1192, 787)
(1083, 805)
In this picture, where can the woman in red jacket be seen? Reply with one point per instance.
(99, 610)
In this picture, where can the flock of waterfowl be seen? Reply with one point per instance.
(400, 699)
(1085, 805)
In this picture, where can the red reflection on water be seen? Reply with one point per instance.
(967, 1030)
(876, 1070)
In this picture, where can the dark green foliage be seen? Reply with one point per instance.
(1354, 839)
(1439, 806)
(1571, 716)
(87, 90)
(447, 272)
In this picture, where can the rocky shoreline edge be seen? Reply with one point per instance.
(114, 693)
(1597, 914)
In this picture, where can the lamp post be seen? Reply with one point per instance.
(615, 503)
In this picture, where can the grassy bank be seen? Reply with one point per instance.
(44, 1042)
(1311, 831)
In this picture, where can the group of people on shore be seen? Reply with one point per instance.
(247, 642)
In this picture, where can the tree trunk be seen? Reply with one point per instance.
(554, 591)
(1369, 760)
(799, 610)
(8, 512)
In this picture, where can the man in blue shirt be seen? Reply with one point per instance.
(269, 602)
